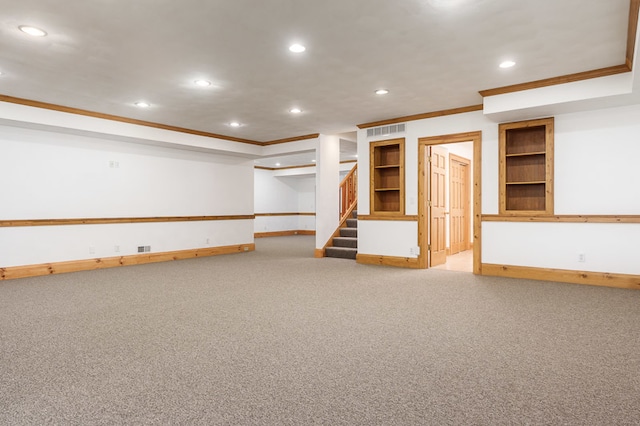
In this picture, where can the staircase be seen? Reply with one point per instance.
(345, 246)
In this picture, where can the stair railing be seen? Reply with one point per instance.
(348, 193)
(348, 201)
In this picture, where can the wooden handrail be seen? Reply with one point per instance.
(348, 192)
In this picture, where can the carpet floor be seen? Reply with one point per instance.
(276, 337)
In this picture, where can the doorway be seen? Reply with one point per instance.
(445, 203)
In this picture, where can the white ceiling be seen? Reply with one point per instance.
(103, 55)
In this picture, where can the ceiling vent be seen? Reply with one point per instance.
(386, 130)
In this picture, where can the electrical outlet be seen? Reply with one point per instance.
(92, 250)
(246, 248)
(116, 249)
(207, 240)
(581, 257)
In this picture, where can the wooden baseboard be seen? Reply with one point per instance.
(318, 253)
(561, 275)
(283, 233)
(374, 259)
(13, 272)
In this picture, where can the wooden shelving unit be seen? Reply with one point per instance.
(526, 167)
(387, 176)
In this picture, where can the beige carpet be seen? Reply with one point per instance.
(276, 337)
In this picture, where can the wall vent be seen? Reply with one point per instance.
(386, 130)
(144, 249)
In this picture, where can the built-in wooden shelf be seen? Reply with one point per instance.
(387, 176)
(526, 167)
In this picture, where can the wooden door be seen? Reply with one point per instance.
(438, 172)
(458, 204)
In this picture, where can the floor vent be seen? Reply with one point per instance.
(386, 130)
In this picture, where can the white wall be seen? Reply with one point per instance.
(51, 175)
(596, 156)
(595, 171)
(327, 184)
(284, 194)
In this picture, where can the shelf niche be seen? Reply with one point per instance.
(387, 176)
(526, 167)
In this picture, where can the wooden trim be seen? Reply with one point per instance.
(13, 272)
(476, 242)
(569, 78)
(113, 220)
(283, 233)
(561, 275)
(586, 218)
(302, 166)
(293, 139)
(406, 218)
(375, 259)
(284, 214)
(422, 116)
(284, 168)
(634, 8)
(318, 253)
(298, 167)
(476, 138)
(78, 111)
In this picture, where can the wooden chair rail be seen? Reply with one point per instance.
(113, 220)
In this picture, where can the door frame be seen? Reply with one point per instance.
(423, 213)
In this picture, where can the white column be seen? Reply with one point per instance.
(327, 191)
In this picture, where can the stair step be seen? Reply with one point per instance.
(345, 242)
(349, 232)
(352, 223)
(341, 252)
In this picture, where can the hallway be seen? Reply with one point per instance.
(461, 262)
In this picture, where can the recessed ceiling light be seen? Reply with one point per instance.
(507, 64)
(234, 124)
(143, 104)
(313, 161)
(277, 164)
(295, 110)
(297, 48)
(202, 83)
(32, 31)
(382, 92)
